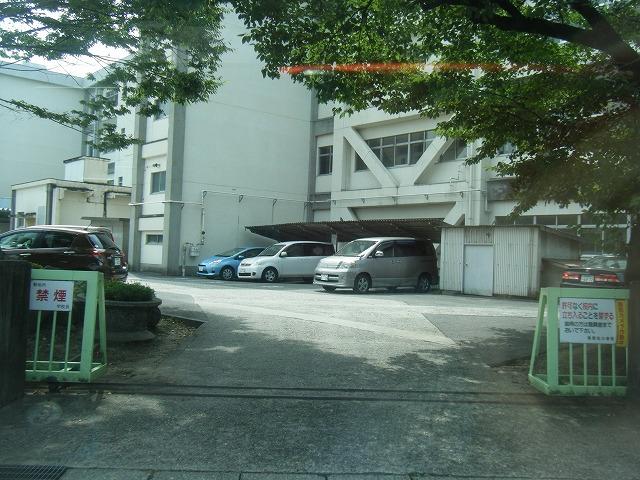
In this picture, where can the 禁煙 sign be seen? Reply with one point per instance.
(52, 295)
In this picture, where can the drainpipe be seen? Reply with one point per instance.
(104, 201)
(49, 216)
(202, 232)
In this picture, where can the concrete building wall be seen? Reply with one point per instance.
(247, 148)
(31, 201)
(33, 148)
(75, 203)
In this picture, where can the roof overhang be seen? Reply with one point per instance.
(427, 228)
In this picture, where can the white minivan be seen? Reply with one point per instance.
(285, 259)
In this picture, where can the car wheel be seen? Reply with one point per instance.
(424, 283)
(227, 273)
(270, 275)
(329, 289)
(362, 283)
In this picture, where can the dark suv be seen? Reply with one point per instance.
(66, 248)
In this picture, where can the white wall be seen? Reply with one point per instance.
(251, 138)
(32, 148)
(325, 109)
(32, 200)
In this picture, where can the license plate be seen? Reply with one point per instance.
(324, 278)
(586, 278)
(117, 261)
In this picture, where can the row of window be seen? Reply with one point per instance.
(556, 220)
(397, 151)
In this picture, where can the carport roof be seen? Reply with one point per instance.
(350, 230)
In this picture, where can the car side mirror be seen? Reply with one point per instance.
(379, 253)
(283, 254)
(240, 257)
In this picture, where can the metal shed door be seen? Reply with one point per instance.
(478, 270)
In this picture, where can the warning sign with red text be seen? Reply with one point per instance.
(587, 320)
(51, 295)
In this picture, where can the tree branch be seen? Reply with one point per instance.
(601, 37)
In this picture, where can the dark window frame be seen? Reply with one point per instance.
(161, 184)
(325, 160)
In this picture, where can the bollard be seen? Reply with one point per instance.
(14, 309)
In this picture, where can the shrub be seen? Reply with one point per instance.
(127, 292)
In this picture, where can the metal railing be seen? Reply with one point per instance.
(64, 350)
(586, 342)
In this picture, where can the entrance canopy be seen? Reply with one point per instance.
(350, 230)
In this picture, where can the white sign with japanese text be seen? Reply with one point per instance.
(51, 295)
(587, 320)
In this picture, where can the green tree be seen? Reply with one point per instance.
(560, 80)
(173, 49)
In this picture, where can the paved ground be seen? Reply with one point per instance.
(287, 379)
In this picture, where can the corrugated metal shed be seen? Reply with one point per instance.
(516, 253)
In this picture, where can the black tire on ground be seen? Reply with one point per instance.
(270, 275)
(424, 283)
(154, 318)
(227, 273)
(362, 283)
(328, 288)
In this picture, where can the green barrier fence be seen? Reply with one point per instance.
(586, 342)
(64, 348)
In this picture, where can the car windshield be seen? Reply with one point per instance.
(272, 250)
(230, 253)
(607, 262)
(355, 248)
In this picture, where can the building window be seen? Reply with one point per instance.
(399, 150)
(325, 160)
(158, 181)
(109, 182)
(111, 168)
(418, 143)
(458, 150)
(154, 239)
(360, 165)
(120, 181)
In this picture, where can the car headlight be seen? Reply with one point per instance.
(215, 262)
(346, 264)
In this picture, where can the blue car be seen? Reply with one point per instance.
(225, 265)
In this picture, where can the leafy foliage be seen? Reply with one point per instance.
(557, 79)
(127, 292)
(174, 50)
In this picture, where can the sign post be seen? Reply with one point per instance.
(590, 321)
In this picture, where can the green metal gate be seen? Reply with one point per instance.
(595, 366)
(66, 360)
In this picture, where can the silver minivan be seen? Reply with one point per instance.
(389, 262)
(285, 259)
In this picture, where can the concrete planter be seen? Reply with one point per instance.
(126, 321)
(129, 321)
